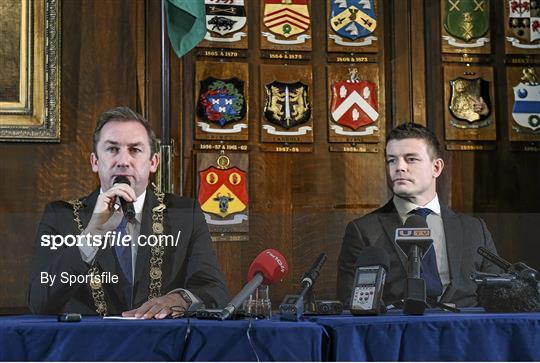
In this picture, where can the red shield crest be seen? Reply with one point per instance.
(354, 103)
(223, 191)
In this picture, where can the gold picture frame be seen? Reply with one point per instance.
(30, 94)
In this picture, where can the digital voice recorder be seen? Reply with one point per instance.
(366, 295)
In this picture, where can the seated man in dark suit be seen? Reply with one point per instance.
(414, 163)
(91, 259)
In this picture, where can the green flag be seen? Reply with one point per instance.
(186, 24)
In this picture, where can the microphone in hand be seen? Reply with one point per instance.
(127, 207)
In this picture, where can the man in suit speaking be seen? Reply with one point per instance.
(94, 257)
(414, 163)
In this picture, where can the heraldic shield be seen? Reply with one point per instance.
(464, 94)
(353, 19)
(354, 103)
(526, 109)
(286, 18)
(466, 19)
(224, 17)
(287, 104)
(223, 192)
(222, 101)
(524, 19)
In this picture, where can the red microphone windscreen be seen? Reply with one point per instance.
(271, 264)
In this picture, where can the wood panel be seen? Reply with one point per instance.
(94, 78)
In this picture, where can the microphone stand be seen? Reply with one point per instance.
(434, 303)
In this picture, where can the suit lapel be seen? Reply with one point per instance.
(454, 246)
(105, 258)
(142, 279)
(390, 220)
(89, 202)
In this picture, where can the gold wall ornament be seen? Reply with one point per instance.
(470, 103)
(33, 112)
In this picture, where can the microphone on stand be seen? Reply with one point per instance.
(268, 267)
(292, 307)
(414, 239)
(515, 290)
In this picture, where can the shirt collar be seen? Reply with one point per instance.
(404, 207)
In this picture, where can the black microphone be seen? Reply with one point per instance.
(311, 276)
(515, 290)
(127, 207)
(519, 269)
(414, 239)
(292, 307)
(371, 268)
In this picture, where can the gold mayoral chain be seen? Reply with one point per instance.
(156, 260)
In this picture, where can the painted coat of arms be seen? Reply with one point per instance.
(467, 20)
(223, 194)
(225, 18)
(221, 101)
(286, 19)
(352, 20)
(469, 102)
(354, 105)
(287, 104)
(524, 23)
(526, 108)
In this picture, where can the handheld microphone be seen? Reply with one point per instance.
(127, 207)
(292, 307)
(366, 297)
(414, 239)
(268, 267)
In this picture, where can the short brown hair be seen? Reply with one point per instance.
(124, 114)
(411, 130)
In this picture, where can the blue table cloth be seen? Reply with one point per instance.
(472, 335)
(42, 338)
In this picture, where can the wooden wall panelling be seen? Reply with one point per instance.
(434, 93)
(407, 52)
(94, 78)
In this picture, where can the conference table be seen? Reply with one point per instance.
(472, 335)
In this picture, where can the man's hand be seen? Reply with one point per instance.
(159, 308)
(105, 217)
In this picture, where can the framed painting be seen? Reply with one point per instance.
(30, 78)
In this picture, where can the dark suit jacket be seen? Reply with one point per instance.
(464, 234)
(191, 264)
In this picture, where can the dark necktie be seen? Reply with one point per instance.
(429, 271)
(123, 253)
